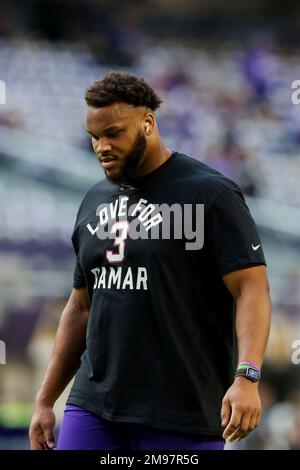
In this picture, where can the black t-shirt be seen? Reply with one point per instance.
(161, 345)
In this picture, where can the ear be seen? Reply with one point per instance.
(149, 123)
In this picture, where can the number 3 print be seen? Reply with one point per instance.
(118, 256)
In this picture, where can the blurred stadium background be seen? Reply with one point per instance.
(224, 70)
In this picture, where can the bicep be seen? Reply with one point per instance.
(79, 299)
(252, 278)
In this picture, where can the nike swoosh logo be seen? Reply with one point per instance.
(255, 247)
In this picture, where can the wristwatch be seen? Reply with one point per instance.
(250, 373)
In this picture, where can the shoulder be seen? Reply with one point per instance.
(88, 204)
(101, 188)
(91, 199)
(209, 182)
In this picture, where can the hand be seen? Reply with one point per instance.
(241, 409)
(41, 429)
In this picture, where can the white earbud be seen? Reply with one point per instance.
(147, 126)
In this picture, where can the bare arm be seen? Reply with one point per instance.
(64, 361)
(241, 408)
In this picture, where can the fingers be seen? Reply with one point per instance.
(253, 423)
(40, 444)
(225, 412)
(50, 440)
(35, 437)
(231, 432)
(237, 432)
(258, 419)
(37, 441)
(233, 424)
(41, 439)
(36, 445)
(242, 430)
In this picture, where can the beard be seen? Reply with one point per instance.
(131, 161)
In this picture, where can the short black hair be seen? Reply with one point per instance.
(117, 87)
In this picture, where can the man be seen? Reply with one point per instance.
(151, 325)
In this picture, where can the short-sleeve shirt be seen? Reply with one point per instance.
(161, 343)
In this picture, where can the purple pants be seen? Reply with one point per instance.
(82, 430)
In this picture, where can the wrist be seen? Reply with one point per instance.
(242, 380)
(43, 401)
(249, 371)
(256, 365)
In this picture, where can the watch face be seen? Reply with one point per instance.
(253, 374)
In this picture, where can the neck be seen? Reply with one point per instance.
(154, 157)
